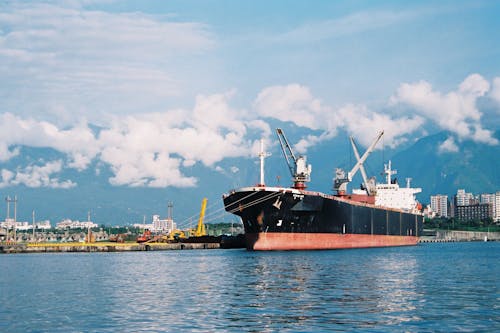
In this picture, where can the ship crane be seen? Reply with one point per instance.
(341, 181)
(369, 184)
(299, 169)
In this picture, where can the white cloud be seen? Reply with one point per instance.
(36, 176)
(448, 146)
(308, 141)
(64, 59)
(144, 149)
(296, 104)
(293, 103)
(149, 149)
(455, 111)
(346, 25)
(158, 149)
(474, 85)
(6, 153)
(260, 125)
(364, 124)
(78, 142)
(495, 91)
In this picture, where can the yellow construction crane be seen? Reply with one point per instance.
(200, 229)
(174, 235)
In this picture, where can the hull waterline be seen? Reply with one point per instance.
(322, 241)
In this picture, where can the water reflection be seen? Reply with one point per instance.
(399, 289)
(394, 282)
(300, 289)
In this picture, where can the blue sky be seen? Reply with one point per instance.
(159, 75)
(346, 51)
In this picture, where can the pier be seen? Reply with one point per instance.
(100, 247)
(443, 236)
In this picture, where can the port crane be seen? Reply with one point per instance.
(200, 229)
(299, 169)
(341, 181)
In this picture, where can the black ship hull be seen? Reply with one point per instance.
(289, 219)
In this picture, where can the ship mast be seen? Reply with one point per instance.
(389, 172)
(33, 215)
(262, 155)
(8, 207)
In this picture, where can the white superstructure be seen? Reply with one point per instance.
(390, 195)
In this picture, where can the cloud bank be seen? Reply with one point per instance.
(295, 103)
(159, 149)
(142, 150)
(455, 111)
(36, 176)
(61, 59)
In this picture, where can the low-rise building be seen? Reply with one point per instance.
(10, 223)
(69, 224)
(158, 225)
(473, 212)
(43, 225)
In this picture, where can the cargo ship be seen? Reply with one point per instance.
(295, 218)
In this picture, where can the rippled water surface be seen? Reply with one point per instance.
(428, 288)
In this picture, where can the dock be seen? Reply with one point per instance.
(100, 247)
(446, 236)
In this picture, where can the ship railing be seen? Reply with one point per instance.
(243, 206)
(254, 202)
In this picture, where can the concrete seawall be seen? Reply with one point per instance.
(460, 236)
(101, 247)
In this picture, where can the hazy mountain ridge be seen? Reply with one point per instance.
(474, 167)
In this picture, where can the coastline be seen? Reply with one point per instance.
(434, 236)
(440, 236)
(6, 248)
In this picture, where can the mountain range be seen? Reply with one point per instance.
(473, 166)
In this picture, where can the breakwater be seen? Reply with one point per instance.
(100, 247)
(459, 236)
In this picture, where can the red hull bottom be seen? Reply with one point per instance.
(321, 241)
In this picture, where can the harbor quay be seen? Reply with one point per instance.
(458, 236)
(10, 247)
(434, 236)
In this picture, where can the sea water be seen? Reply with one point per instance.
(445, 287)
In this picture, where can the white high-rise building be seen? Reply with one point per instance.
(496, 211)
(168, 225)
(490, 199)
(439, 204)
(463, 199)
